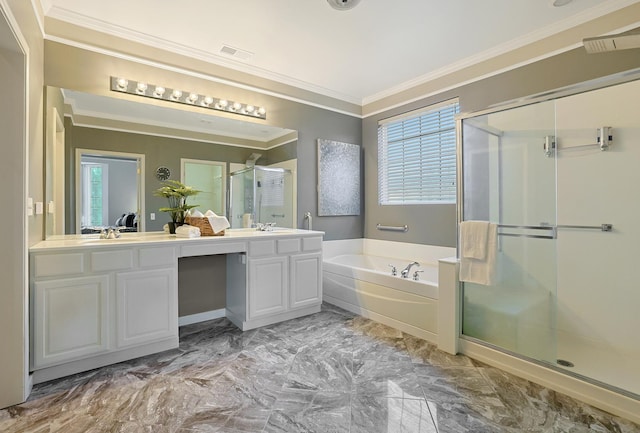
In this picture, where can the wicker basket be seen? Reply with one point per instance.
(204, 226)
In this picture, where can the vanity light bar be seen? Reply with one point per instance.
(140, 88)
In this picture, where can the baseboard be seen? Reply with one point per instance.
(66, 369)
(610, 401)
(202, 317)
(401, 326)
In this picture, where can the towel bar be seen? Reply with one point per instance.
(552, 229)
(403, 228)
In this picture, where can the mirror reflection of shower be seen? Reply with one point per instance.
(262, 195)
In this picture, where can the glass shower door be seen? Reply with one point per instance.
(509, 178)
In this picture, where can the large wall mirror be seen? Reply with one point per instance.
(105, 156)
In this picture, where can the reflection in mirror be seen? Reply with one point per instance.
(164, 136)
(210, 178)
(109, 191)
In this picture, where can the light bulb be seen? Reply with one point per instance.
(159, 91)
(141, 87)
(177, 94)
(262, 111)
(208, 100)
(122, 83)
(237, 105)
(250, 108)
(192, 98)
(223, 103)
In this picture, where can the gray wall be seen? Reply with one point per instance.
(436, 224)
(202, 283)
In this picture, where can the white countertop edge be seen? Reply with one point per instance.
(154, 238)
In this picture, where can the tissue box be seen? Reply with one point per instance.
(203, 224)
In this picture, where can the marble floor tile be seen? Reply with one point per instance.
(329, 372)
(376, 414)
(311, 411)
(386, 379)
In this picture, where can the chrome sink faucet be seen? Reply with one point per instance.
(405, 272)
(266, 227)
(110, 234)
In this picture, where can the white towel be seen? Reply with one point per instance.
(473, 239)
(187, 231)
(217, 222)
(195, 213)
(473, 270)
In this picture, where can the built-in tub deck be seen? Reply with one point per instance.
(357, 277)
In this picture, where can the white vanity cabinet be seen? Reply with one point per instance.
(101, 304)
(284, 281)
(97, 302)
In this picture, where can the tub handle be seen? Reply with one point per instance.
(394, 271)
(416, 275)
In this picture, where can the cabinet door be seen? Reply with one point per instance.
(268, 282)
(71, 319)
(147, 306)
(306, 280)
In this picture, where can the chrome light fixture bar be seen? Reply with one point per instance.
(155, 91)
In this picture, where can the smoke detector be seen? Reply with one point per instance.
(343, 5)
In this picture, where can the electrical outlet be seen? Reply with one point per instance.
(152, 216)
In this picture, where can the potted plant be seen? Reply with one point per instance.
(176, 193)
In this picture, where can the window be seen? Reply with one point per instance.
(417, 156)
(94, 184)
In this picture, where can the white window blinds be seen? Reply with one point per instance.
(417, 157)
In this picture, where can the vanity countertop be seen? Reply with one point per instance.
(144, 238)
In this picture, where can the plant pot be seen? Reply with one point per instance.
(172, 226)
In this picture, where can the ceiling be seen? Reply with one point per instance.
(358, 55)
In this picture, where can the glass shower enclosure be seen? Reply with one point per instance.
(510, 180)
(555, 174)
(262, 195)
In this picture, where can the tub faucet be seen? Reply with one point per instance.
(405, 272)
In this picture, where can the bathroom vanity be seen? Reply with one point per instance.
(96, 302)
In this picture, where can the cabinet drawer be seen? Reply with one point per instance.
(287, 246)
(111, 260)
(312, 244)
(262, 248)
(157, 257)
(58, 264)
(212, 248)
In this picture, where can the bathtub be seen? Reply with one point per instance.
(357, 277)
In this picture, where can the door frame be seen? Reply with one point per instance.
(139, 157)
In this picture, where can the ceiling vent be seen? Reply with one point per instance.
(236, 52)
(343, 5)
(604, 44)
